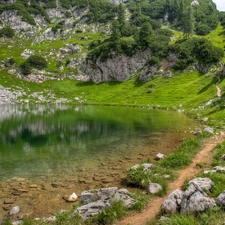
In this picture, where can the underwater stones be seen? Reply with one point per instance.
(71, 198)
(14, 210)
(9, 200)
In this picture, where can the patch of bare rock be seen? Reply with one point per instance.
(194, 199)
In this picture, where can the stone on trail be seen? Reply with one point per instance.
(153, 188)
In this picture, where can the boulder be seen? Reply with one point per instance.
(204, 183)
(14, 210)
(172, 203)
(123, 194)
(89, 196)
(223, 157)
(72, 198)
(99, 199)
(146, 166)
(169, 206)
(153, 188)
(219, 168)
(148, 72)
(220, 200)
(160, 156)
(195, 200)
(92, 209)
(209, 130)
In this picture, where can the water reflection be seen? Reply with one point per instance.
(36, 140)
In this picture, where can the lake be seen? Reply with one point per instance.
(61, 149)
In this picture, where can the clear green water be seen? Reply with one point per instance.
(46, 142)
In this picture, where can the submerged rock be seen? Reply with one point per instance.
(14, 210)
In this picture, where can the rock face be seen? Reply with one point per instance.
(172, 204)
(99, 199)
(71, 49)
(12, 19)
(220, 200)
(148, 72)
(195, 200)
(119, 67)
(204, 183)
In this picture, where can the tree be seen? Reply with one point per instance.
(145, 35)
(189, 22)
(121, 14)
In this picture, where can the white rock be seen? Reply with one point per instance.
(14, 210)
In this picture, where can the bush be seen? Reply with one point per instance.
(153, 60)
(25, 68)
(37, 62)
(7, 32)
(202, 29)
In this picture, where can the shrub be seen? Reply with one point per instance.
(202, 29)
(153, 60)
(108, 216)
(37, 62)
(10, 62)
(7, 32)
(25, 68)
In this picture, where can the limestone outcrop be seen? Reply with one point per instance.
(118, 67)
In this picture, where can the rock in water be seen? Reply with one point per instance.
(14, 210)
(72, 198)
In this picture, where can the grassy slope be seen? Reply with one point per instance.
(185, 91)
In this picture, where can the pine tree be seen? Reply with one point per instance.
(189, 22)
(121, 14)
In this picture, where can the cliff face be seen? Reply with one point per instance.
(119, 68)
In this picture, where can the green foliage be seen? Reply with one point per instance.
(183, 155)
(21, 9)
(196, 49)
(127, 46)
(153, 60)
(101, 11)
(37, 61)
(59, 25)
(34, 61)
(10, 62)
(25, 68)
(108, 216)
(141, 203)
(202, 29)
(206, 53)
(7, 32)
(145, 35)
(138, 177)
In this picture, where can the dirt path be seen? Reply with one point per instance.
(153, 207)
